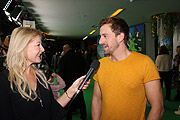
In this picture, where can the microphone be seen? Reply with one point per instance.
(94, 66)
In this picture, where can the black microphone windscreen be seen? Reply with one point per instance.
(95, 64)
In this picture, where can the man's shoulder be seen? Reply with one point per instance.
(104, 59)
(141, 59)
(140, 56)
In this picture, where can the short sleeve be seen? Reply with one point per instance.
(95, 76)
(151, 71)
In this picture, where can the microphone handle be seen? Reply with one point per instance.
(88, 75)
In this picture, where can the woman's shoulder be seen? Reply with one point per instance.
(4, 76)
(4, 73)
(4, 82)
(164, 56)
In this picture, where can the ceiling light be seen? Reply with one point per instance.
(85, 37)
(116, 13)
(92, 32)
(51, 39)
(45, 33)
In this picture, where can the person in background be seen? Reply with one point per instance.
(71, 66)
(88, 60)
(177, 73)
(125, 79)
(164, 62)
(4, 49)
(25, 92)
(56, 87)
(54, 61)
(177, 77)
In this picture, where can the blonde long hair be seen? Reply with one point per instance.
(16, 63)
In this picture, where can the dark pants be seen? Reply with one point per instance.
(177, 97)
(177, 85)
(167, 78)
(78, 103)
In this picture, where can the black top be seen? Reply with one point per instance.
(2, 59)
(14, 107)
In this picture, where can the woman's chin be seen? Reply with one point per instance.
(37, 61)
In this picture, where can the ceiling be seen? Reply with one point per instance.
(77, 18)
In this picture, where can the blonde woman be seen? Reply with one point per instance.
(25, 93)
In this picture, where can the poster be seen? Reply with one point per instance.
(137, 39)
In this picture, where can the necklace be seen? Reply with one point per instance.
(39, 97)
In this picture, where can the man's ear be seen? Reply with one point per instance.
(120, 37)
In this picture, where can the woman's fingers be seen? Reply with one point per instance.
(85, 87)
(81, 79)
(86, 84)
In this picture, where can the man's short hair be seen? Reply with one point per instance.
(118, 26)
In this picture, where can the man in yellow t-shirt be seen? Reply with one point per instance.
(125, 79)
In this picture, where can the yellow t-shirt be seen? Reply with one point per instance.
(122, 86)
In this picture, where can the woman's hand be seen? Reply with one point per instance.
(77, 83)
(54, 75)
(74, 87)
(68, 95)
(51, 78)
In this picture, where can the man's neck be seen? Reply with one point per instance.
(120, 54)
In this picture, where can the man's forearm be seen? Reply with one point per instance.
(156, 114)
(96, 110)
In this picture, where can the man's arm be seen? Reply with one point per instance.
(96, 102)
(154, 95)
